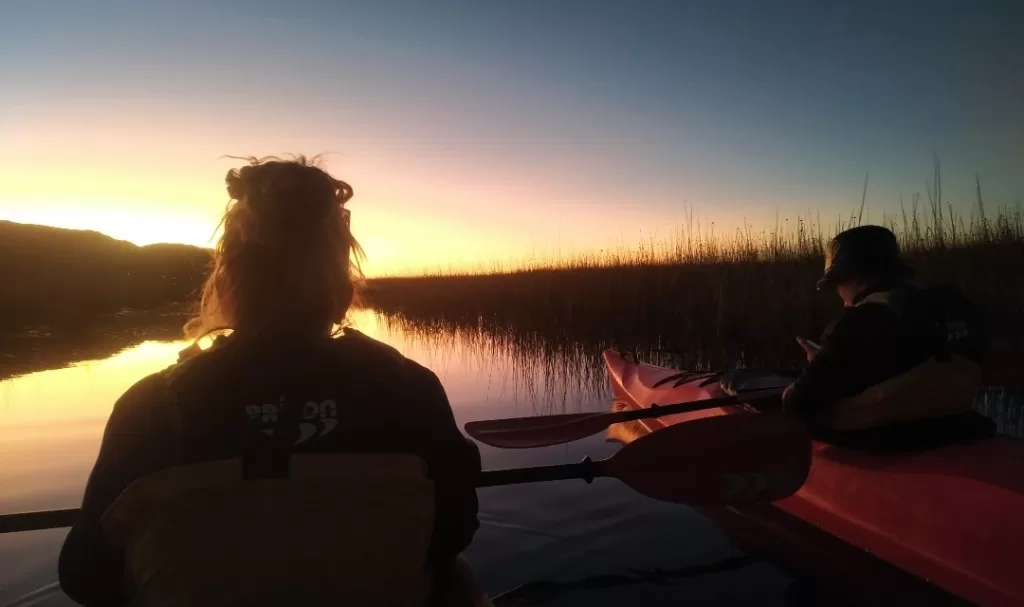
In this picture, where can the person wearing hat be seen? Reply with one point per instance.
(888, 329)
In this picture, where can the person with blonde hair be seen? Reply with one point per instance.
(290, 462)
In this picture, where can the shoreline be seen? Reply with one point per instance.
(39, 347)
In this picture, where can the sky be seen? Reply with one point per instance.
(486, 131)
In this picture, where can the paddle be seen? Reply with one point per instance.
(715, 461)
(44, 519)
(546, 430)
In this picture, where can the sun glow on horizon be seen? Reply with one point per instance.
(391, 247)
(137, 227)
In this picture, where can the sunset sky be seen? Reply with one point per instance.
(486, 130)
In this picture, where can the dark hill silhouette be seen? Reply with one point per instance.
(63, 277)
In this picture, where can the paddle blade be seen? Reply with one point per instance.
(717, 461)
(539, 431)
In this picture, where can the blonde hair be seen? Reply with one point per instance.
(286, 259)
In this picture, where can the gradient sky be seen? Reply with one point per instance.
(486, 130)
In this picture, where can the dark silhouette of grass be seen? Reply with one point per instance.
(714, 302)
(549, 376)
(707, 303)
(697, 300)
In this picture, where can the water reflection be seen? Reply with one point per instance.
(1005, 407)
(558, 370)
(51, 423)
(45, 347)
(541, 377)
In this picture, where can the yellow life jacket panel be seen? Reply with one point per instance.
(338, 530)
(933, 388)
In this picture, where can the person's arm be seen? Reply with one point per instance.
(135, 443)
(830, 371)
(454, 463)
(967, 333)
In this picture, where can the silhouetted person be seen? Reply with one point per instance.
(248, 494)
(897, 354)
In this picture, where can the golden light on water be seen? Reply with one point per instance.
(51, 422)
(81, 392)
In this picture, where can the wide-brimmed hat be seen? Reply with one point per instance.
(864, 252)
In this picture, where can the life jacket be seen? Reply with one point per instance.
(329, 529)
(944, 384)
(349, 395)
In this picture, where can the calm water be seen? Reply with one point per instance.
(51, 423)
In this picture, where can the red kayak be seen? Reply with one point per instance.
(935, 527)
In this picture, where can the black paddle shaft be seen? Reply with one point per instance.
(656, 410)
(45, 519)
(587, 470)
(780, 440)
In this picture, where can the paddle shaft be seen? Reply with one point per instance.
(587, 470)
(44, 519)
(544, 422)
(656, 410)
(776, 448)
(543, 431)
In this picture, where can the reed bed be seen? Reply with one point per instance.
(534, 371)
(707, 301)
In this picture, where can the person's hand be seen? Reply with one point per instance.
(787, 391)
(810, 348)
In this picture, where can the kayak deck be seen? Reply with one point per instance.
(951, 516)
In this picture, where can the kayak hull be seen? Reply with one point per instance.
(937, 525)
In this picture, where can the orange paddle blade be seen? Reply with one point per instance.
(727, 459)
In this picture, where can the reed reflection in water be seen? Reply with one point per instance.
(556, 369)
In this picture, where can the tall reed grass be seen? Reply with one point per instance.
(713, 301)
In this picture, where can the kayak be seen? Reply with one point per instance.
(942, 526)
